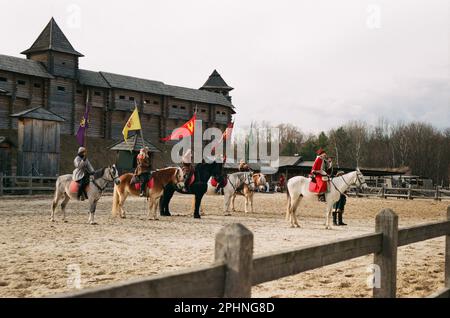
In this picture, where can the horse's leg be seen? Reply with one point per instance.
(167, 196)
(293, 210)
(233, 197)
(92, 208)
(54, 205)
(251, 201)
(247, 199)
(198, 201)
(122, 197)
(150, 205)
(328, 210)
(156, 206)
(63, 206)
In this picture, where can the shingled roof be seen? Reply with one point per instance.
(215, 81)
(198, 95)
(53, 39)
(39, 113)
(135, 84)
(134, 143)
(91, 78)
(22, 66)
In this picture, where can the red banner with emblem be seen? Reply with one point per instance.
(186, 130)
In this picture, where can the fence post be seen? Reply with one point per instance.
(436, 196)
(30, 185)
(409, 193)
(386, 259)
(447, 254)
(234, 246)
(1, 184)
(382, 192)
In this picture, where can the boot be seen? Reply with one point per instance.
(340, 222)
(335, 218)
(322, 197)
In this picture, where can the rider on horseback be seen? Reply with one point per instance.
(143, 169)
(83, 169)
(318, 172)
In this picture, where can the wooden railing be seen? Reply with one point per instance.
(30, 185)
(235, 269)
(437, 194)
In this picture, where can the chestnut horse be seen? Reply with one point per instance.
(159, 179)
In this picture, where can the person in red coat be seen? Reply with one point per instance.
(318, 171)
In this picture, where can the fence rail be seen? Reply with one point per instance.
(29, 185)
(235, 269)
(438, 193)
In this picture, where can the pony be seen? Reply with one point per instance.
(66, 189)
(239, 183)
(202, 173)
(298, 189)
(159, 179)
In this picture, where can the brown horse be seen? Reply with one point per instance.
(159, 179)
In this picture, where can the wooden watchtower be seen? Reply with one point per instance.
(38, 151)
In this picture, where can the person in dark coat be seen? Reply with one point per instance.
(339, 206)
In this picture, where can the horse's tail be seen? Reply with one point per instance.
(115, 201)
(289, 202)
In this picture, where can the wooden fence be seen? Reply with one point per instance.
(236, 270)
(437, 194)
(29, 185)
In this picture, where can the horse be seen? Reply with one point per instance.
(202, 173)
(158, 181)
(67, 189)
(298, 189)
(239, 183)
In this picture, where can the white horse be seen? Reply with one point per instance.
(239, 183)
(298, 189)
(94, 190)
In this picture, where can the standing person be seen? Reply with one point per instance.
(339, 206)
(187, 168)
(83, 169)
(282, 182)
(318, 171)
(143, 169)
(243, 166)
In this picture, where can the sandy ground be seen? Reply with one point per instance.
(37, 256)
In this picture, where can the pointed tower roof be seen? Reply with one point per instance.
(216, 81)
(52, 39)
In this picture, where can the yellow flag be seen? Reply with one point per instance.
(133, 123)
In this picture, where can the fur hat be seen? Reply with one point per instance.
(81, 149)
(320, 151)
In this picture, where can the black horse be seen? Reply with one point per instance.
(203, 172)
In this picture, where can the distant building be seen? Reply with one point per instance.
(50, 77)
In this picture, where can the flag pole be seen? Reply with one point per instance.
(140, 131)
(86, 124)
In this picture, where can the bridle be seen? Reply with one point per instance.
(359, 185)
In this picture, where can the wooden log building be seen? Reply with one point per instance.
(50, 77)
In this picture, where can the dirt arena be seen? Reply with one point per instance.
(35, 254)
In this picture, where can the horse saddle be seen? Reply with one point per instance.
(74, 186)
(216, 183)
(150, 184)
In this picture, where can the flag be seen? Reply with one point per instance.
(186, 130)
(250, 138)
(84, 125)
(133, 123)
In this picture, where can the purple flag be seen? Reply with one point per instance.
(84, 124)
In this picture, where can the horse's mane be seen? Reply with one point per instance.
(99, 173)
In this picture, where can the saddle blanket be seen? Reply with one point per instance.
(215, 183)
(74, 186)
(150, 184)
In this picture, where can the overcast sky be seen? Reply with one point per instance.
(315, 64)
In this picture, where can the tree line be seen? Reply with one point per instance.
(415, 146)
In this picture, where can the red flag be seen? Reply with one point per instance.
(186, 130)
(226, 134)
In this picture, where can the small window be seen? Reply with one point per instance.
(79, 91)
(146, 101)
(63, 63)
(121, 97)
(183, 107)
(97, 94)
(61, 89)
(155, 102)
(203, 110)
(174, 106)
(21, 82)
(3, 79)
(37, 85)
(131, 98)
(223, 113)
(217, 112)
